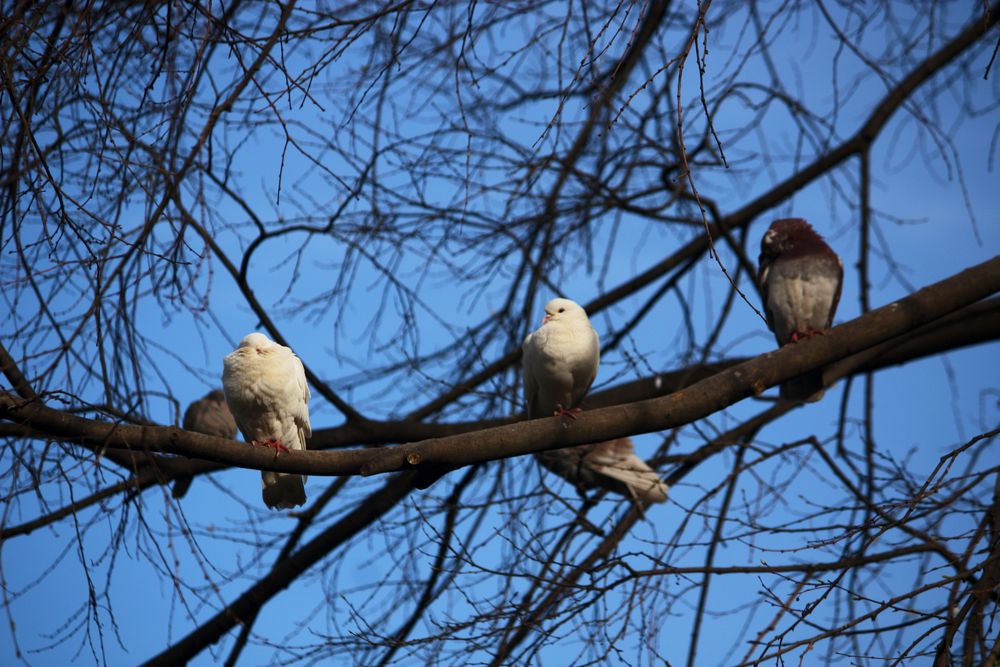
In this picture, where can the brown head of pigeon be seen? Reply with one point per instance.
(211, 416)
(800, 277)
(559, 363)
(208, 415)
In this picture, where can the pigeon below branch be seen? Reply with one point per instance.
(610, 465)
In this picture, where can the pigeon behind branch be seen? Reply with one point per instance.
(801, 278)
(265, 386)
(211, 416)
(559, 364)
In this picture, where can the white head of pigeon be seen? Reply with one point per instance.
(265, 386)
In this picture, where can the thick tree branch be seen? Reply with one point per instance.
(699, 400)
(14, 375)
(978, 323)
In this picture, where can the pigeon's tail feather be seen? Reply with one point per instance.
(643, 485)
(585, 467)
(283, 491)
(807, 387)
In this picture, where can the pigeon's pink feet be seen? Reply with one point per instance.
(808, 333)
(566, 412)
(272, 442)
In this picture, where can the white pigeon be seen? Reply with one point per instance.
(559, 361)
(208, 415)
(558, 365)
(265, 385)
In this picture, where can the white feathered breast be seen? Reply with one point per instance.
(267, 394)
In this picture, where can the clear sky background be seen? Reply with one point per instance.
(937, 213)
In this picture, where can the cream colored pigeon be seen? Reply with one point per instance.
(265, 385)
(558, 365)
(208, 415)
(559, 361)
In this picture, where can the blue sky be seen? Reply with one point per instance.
(923, 409)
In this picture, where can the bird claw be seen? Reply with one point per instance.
(566, 412)
(808, 333)
(272, 442)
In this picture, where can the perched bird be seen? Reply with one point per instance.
(560, 360)
(265, 385)
(800, 277)
(558, 365)
(610, 465)
(208, 415)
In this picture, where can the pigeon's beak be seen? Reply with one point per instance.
(546, 318)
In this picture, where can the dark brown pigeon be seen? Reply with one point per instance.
(211, 416)
(801, 278)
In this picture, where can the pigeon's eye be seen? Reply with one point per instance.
(562, 310)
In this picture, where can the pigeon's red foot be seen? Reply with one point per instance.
(272, 442)
(808, 333)
(566, 412)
